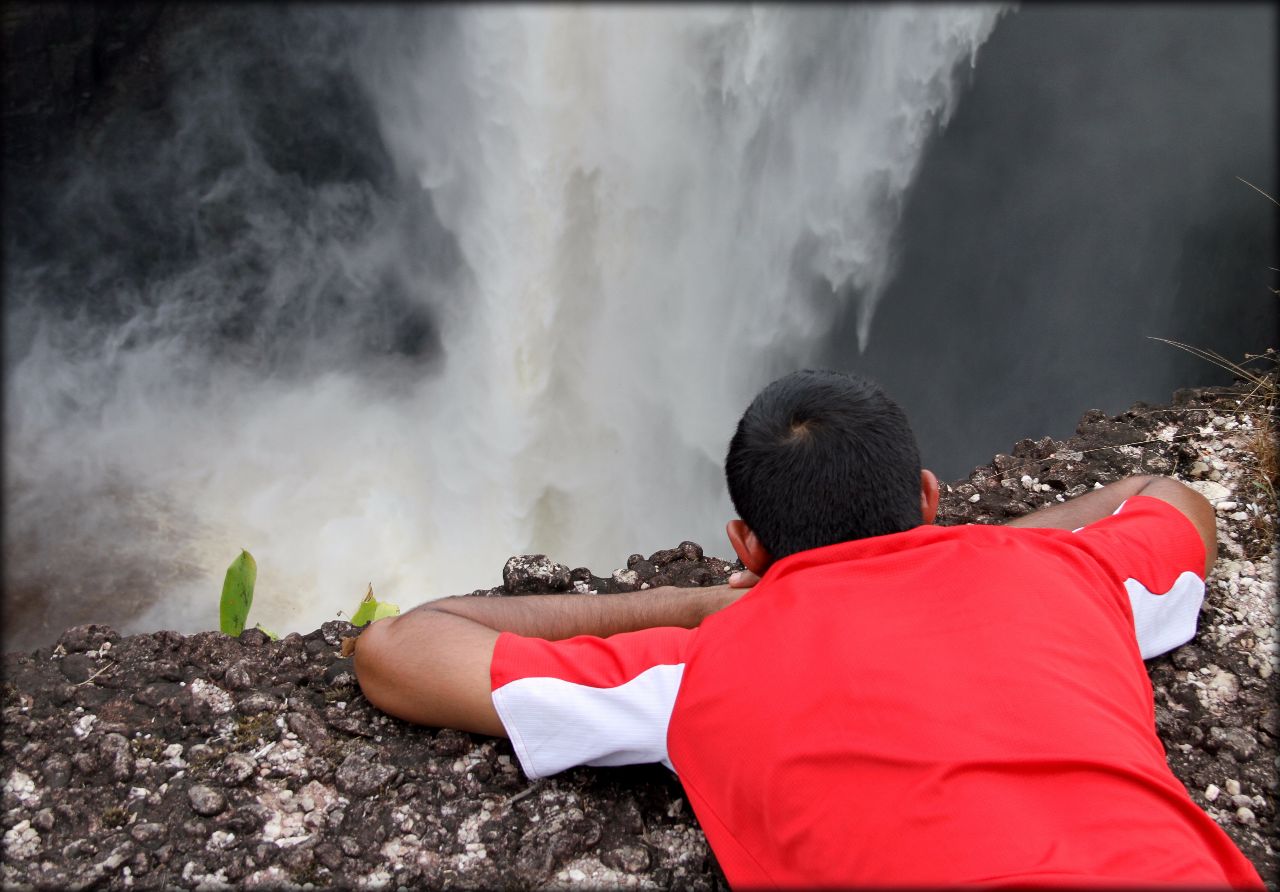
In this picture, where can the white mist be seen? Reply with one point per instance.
(658, 209)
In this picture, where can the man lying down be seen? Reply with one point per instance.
(892, 702)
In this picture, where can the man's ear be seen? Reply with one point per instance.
(928, 496)
(754, 556)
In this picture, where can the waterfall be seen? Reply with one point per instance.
(648, 212)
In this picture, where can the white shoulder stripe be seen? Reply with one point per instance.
(1165, 621)
(556, 724)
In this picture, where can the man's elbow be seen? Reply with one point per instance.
(1194, 506)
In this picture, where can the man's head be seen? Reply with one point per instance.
(821, 457)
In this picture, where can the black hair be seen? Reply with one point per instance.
(821, 457)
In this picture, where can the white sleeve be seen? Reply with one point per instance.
(1165, 620)
(556, 724)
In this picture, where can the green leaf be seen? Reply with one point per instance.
(370, 609)
(237, 593)
(270, 634)
(385, 609)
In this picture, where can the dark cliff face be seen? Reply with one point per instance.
(172, 761)
(67, 66)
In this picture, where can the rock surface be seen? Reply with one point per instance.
(204, 761)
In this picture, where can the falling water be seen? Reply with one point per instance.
(602, 229)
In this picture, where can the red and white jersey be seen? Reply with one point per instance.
(941, 706)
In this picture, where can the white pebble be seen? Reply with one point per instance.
(1226, 505)
(1245, 815)
(1239, 515)
(1233, 786)
(84, 725)
(1211, 792)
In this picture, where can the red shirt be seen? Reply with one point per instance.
(942, 706)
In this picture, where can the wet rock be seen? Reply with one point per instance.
(43, 820)
(77, 667)
(257, 702)
(254, 638)
(206, 801)
(85, 762)
(148, 834)
(158, 694)
(1241, 744)
(626, 580)
(114, 750)
(87, 637)
(56, 771)
(339, 673)
(235, 769)
(359, 776)
(644, 569)
(691, 551)
(630, 859)
(166, 670)
(534, 573)
(240, 676)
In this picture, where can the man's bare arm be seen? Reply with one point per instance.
(431, 665)
(1100, 503)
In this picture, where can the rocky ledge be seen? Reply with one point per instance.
(203, 761)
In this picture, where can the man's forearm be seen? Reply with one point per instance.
(1100, 503)
(1084, 509)
(563, 616)
(432, 665)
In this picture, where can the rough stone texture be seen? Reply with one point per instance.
(203, 761)
(527, 573)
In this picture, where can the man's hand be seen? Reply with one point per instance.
(1100, 503)
(431, 665)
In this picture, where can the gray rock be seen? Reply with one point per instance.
(1240, 743)
(149, 834)
(255, 703)
(85, 762)
(87, 637)
(114, 750)
(206, 801)
(235, 769)
(77, 667)
(630, 859)
(308, 727)
(57, 770)
(240, 676)
(358, 776)
(531, 573)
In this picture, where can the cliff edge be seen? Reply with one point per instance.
(203, 761)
